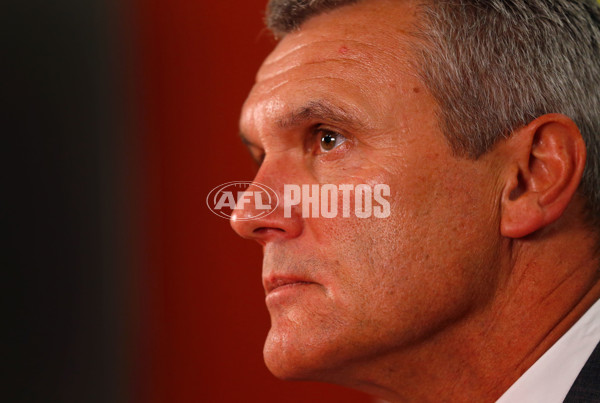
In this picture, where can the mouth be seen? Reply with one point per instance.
(275, 283)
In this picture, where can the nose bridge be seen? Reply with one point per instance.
(275, 171)
(247, 220)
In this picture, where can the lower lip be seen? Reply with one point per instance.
(287, 291)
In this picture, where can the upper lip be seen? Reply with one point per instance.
(273, 282)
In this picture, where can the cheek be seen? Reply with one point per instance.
(426, 263)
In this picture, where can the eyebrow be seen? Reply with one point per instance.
(319, 110)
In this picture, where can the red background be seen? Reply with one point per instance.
(199, 294)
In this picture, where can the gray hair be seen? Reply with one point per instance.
(495, 65)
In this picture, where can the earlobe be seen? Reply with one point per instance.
(546, 159)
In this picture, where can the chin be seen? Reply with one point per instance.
(289, 362)
(294, 359)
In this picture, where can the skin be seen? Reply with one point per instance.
(464, 285)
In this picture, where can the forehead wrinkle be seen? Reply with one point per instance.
(272, 59)
(359, 56)
(273, 87)
(341, 70)
(265, 93)
(291, 68)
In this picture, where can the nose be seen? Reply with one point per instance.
(252, 223)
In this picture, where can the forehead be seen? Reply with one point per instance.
(339, 56)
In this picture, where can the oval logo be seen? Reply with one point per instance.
(224, 198)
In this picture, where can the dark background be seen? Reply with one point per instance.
(120, 117)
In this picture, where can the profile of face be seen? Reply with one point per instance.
(339, 102)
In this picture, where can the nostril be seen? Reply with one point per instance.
(265, 230)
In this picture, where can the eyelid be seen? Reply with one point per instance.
(318, 129)
(256, 152)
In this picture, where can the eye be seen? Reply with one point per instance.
(329, 140)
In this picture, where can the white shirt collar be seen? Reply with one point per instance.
(549, 379)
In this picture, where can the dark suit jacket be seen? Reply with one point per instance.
(586, 388)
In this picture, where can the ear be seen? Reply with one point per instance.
(546, 162)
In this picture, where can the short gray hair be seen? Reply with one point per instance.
(495, 65)
(284, 16)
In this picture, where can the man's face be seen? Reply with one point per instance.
(368, 289)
